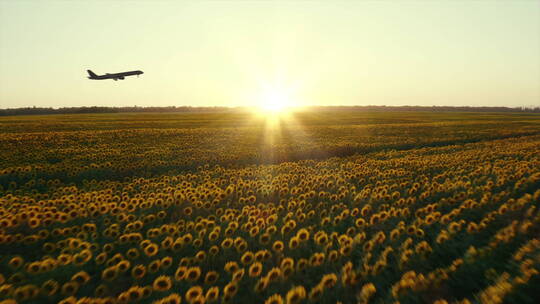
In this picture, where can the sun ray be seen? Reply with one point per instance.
(275, 99)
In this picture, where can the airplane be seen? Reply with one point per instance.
(115, 76)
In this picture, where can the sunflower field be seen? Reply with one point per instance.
(332, 207)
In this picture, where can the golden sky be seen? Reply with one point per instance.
(238, 53)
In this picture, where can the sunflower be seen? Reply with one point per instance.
(442, 237)
(123, 266)
(81, 277)
(180, 273)
(264, 238)
(108, 247)
(151, 250)
(328, 280)
(247, 258)
(198, 242)
(287, 271)
(261, 285)
(199, 300)
(286, 229)
(193, 274)
(114, 260)
(260, 255)
(173, 298)
(367, 291)
(212, 294)
(48, 247)
(278, 246)
(346, 250)
(230, 289)
(314, 260)
(122, 298)
(229, 231)
(303, 235)
(185, 261)
(68, 300)
(101, 290)
(22, 293)
(193, 293)
(101, 258)
(138, 272)
(178, 244)
(167, 242)
(242, 247)
(200, 256)
(294, 242)
(16, 262)
(502, 209)
(211, 277)
(238, 275)
(454, 227)
(162, 283)
(316, 292)
(273, 274)
(302, 264)
(274, 299)
(214, 250)
(49, 287)
(231, 267)
(296, 295)
(134, 293)
(70, 288)
(33, 267)
(255, 269)
(254, 231)
(109, 273)
(472, 228)
(226, 243)
(48, 264)
(213, 236)
(132, 253)
(351, 231)
(368, 246)
(287, 262)
(322, 239)
(166, 262)
(154, 266)
(271, 230)
(147, 291)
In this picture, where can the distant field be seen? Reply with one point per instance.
(113, 146)
(313, 207)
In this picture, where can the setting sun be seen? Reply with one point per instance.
(277, 106)
(275, 101)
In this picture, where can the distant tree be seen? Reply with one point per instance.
(174, 109)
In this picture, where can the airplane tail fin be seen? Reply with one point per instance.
(92, 74)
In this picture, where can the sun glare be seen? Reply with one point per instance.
(273, 107)
(274, 101)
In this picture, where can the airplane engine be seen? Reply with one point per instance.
(121, 77)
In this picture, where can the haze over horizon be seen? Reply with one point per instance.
(236, 53)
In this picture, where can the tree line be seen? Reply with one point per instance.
(181, 109)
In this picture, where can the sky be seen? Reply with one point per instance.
(244, 53)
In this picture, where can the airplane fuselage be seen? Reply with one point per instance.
(114, 76)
